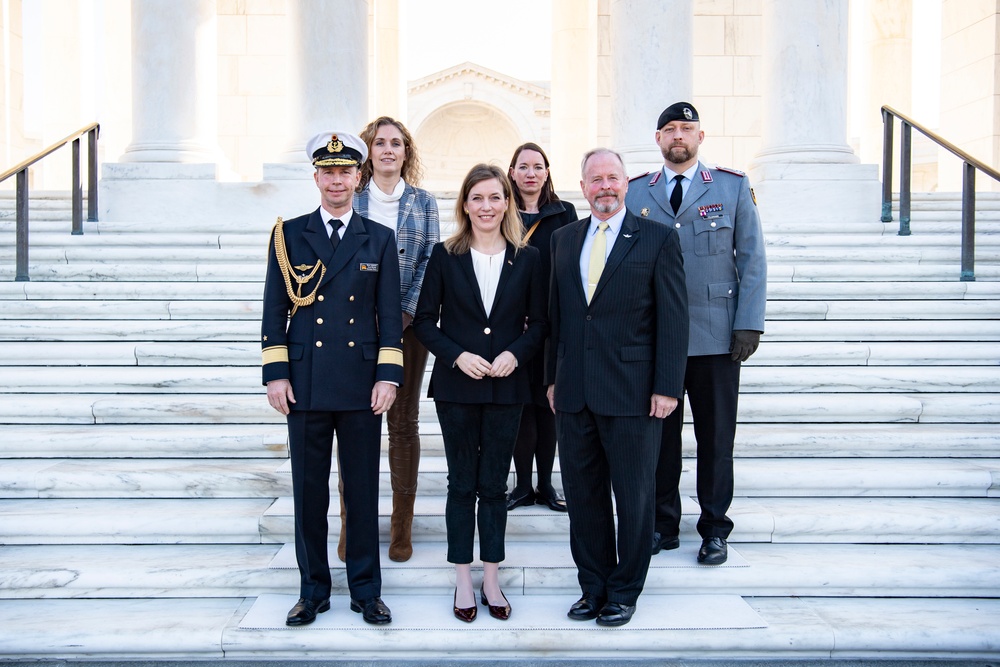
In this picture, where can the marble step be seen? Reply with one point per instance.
(268, 478)
(813, 630)
(531, 568)
(248, 330)
(771, 353)
(764, 440)
(252, 291)
(835, 520)
(105, 254)
(92, 309)
(218, 380)
(81, 408)
(208, 269)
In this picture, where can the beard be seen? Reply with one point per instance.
(678, 153)
(602, 207)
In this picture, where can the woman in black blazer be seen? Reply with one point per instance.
(481, 313)
(542, 212)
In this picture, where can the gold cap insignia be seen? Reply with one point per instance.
(335, 145)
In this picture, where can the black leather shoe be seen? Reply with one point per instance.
(373, 610)
(554, 501)
(520, 500)
(665, 542)
(615, 613)
(304, 612)
(714, 551)
(586, 608)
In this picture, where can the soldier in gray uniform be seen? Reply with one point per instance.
(715, 213)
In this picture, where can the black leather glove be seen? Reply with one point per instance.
(744, 343)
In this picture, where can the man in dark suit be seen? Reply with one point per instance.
(615, 369)
(332, 359)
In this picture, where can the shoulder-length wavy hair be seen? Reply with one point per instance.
(510, 227)
(548, 193)
(413, 169)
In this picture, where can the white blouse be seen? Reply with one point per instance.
(383, 208)
(487, 268)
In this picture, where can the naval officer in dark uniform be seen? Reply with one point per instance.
(715, 215)
(331, 338)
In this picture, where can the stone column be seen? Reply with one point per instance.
(889, 52)
(573, 91)
(389, 89)
(651, 67)
(328, 71)
(805, 166)
(174, 82)
(805, 82)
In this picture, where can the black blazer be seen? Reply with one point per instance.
(451, 319)
(631, 341)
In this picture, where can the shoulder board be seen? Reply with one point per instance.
(730, 170)
(635, 178)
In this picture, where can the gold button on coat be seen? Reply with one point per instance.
(351, 344)
(677, 225)
(319, 320)
(487, 331)
(319, 343)
(352, 321)
(352, 298)
(319, 298)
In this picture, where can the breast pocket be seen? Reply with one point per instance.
(713, 236)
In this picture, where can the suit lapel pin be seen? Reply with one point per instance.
(628, 236)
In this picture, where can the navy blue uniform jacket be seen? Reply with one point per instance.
(450, 295)
(336, 349)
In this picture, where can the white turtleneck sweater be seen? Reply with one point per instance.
(383, 208)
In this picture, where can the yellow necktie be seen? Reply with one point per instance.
(598, 253)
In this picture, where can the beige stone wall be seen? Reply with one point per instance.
(12, 143)
(252, 76)
(970, 86)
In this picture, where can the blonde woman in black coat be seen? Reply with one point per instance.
(481, 313)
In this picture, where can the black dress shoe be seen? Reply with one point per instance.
(615, 613)
(713, 551)
(665, 542)
(554, 501)
(586, 608)
(373, 610)
(522, 500)
(304, 612)
(497, 612)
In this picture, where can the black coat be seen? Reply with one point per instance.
(451, 319)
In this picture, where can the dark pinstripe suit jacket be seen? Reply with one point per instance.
(631, 341)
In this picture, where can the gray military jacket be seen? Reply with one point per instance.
(723, 247)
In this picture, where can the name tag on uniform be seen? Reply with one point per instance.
(365, 266)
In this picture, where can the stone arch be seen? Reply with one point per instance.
(456, 136)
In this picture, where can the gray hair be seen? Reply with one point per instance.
(601, 151)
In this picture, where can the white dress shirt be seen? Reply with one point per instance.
(614, 225)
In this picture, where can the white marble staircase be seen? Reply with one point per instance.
(145, 492)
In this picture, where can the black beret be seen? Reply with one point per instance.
(677, 111)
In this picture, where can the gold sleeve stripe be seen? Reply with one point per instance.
(276, 354)
(390, 355)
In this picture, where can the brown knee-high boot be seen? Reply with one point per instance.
(400, 527)
(341, 543)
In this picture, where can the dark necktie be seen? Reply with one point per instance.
(678, 194)
(335, 237)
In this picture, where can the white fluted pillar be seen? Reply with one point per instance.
(328, 70)
(652, 56)
(805, 166)
(174, 82)
(573, 90)
(805, 82)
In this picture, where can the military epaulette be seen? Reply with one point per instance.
(635, 178)
(730, 170)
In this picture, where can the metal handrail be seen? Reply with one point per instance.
(969, 166)
(21, 171)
